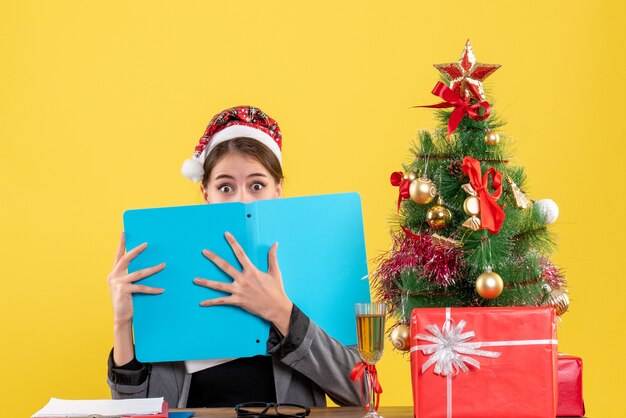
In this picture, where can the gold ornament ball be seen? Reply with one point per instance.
(401, 337)
(489, 285)
(471, 206)
(422, 190)
(492, 138)
(438, 217)
(411, 176)
(559, 301)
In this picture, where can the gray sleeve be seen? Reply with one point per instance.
(318, 356)
(128, 381)
(146, 380)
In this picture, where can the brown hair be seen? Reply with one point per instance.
(248, 147)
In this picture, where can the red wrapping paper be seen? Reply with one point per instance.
(570, 378)
(521, 382)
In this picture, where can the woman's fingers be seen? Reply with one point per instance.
(138, 288)
(226, 300)
(272, 260)
(122, 264)
(120, 249)
(239, 252)
(143, 273)
(220, 286)
(221, 263)
(215, 285)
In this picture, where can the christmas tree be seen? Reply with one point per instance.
(469, 235)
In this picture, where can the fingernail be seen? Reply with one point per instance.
(162, 264)
(196, 280)
(228, 234)
(145, 244)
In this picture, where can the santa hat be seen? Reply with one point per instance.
(236, 122)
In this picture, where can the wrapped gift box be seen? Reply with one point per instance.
(484, 362)
(570, 397)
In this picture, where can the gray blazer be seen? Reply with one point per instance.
(308, 364)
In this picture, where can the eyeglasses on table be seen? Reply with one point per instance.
(271, 409)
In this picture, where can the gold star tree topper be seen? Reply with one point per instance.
(466, 75)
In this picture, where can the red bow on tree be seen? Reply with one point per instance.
(397, 179)
(491, 214)
(357, 373)
(462, 106)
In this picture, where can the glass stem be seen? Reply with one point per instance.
(370, 392)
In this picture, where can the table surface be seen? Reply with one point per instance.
(345, 412)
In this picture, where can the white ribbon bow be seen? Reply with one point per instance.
(448, 348)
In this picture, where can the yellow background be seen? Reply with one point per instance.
(100, 102)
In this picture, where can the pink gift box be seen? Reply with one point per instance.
(570, 397)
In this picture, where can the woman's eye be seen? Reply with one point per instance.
(225, 188)
(258, 187)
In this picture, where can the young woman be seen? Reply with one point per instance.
(238, 159)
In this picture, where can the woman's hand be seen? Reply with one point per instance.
(253, 290)
(122, 284)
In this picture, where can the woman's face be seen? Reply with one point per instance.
(239, 178)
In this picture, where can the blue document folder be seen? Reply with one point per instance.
(321, 255)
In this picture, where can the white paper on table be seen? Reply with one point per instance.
(76, 408)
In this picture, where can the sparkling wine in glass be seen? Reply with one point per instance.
(370, 325)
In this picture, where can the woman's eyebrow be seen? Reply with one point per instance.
(228, 176)
(224, 176)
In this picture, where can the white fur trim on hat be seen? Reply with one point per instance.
(193, 168)
(239, 131)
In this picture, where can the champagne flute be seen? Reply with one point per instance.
(370, 325)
